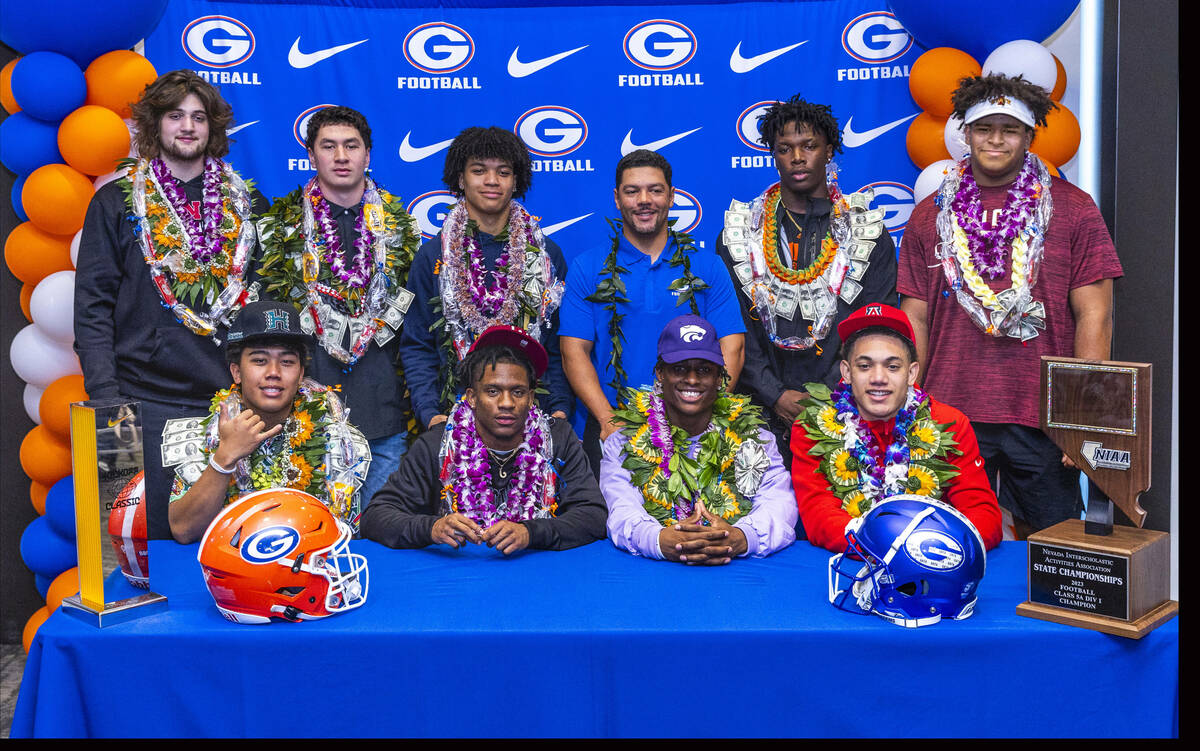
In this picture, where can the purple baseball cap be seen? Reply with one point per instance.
(689, 337)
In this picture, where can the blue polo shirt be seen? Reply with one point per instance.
(651, 306)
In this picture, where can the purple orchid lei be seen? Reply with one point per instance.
(873, 460)
(204, 236)
(989, 245)
(661, 439)
(466, 471)
(360, 273)
(484, 297)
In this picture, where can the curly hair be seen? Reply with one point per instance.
(974, 89)
(337, 116)
(819, 117)
(643, 158)
(488, 143)
(167, 93)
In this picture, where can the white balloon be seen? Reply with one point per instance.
(1022, 57)
(105, 179)
(40, 360)
(33, 397)
(52, 306)
(75, 248)
(955, 138)
(930, 179)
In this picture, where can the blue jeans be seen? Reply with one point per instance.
(386, 453)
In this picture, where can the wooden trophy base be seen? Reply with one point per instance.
(1118, 584)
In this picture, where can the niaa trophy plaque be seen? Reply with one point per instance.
(1090, 573)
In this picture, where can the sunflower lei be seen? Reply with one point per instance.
(725, 473)
(860, 471)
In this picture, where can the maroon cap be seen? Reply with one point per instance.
(876, 314)
(512, 336)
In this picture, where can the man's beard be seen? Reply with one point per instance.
(170, 150)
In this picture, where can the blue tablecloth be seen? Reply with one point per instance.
(593, 642)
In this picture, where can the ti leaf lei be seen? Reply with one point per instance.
(610, 292)
(860, 472)
(725, 473)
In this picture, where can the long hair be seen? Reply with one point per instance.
(166, 94)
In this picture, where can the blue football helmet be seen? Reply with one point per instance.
(921, 561)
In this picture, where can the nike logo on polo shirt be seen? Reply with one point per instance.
(628, 145)
(298, 59)
(739, 64)
(852, 139)
(231, 131)
(518, 69)
(556, 227)
(410, 153)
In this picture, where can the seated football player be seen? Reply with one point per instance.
(693, 475)
(499, 472)
(273, 428)
(877, 435)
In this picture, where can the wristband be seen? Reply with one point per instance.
(212, 462)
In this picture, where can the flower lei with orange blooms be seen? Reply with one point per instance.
(193, 263)
(860, 471)
(770, 243)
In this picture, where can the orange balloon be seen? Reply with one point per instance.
(37, 495)
(56, 198)
(64, 585)
(925, 140)
(55, 406)
(116, 79)
(92, 139)
(44, 457)
(7, 101)
(934, 76)
(26, 296)
(32, 254)
(1058, 141)
(1060, 84)
(32, 625)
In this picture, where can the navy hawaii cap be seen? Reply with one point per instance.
(689, 337)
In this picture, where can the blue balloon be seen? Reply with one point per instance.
(81, 29)
(42, 583)
(932, 25)
(19, 207)
(27, 143)
(48, 86)
(60, 507)
(44, 552)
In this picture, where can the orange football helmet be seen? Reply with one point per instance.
(281, 553)
(127, 532)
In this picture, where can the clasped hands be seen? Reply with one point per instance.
(692, 543)
(457, 530)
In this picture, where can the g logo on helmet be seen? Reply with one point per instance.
(934, 550)
(876, 37)
(566, 132)
(659, 44)
(270, 544)
(692, 333)
(454, 50)
(218, 41)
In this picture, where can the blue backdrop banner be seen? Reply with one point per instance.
(580, 85)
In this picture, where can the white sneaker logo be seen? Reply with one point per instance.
(410, 153)
(518, 69)
(739, 64)
(628, 145)
(298, 59)
(853, 140)
(562, 225)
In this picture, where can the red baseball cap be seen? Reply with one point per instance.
(518, 339)
(876, 314)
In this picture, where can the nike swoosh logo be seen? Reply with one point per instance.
(627, 145)
(231, 131)
(739, 64)
(410, 153)
(113, 423)
(556, 227)
(298, 59)
(518, 69)
(852, 139)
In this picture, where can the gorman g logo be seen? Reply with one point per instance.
(300, 127)
(270, 544)
(747, 124)
(876, 37)
(659, 44)
(551, 131)
(685, 211)
(218, 41)
(438, 47)
(430, 209)
(934, 550)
